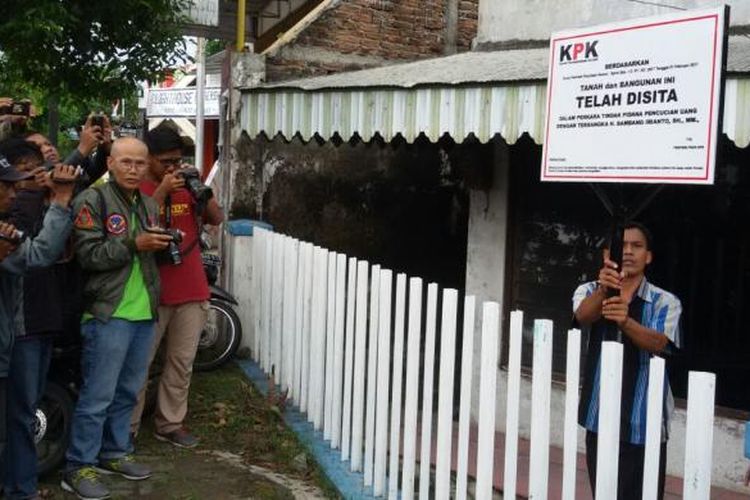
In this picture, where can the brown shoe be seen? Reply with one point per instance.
(180, 438)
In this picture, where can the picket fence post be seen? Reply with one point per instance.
(608, 437)
(330, 352)
(570, 439)
(360, 338)
(306, 325)
(257, 276)
(541, 387)
(338, 341)
(487, 395)
(277, 296)
(346, 428)
(445, 394)
(699, 434)
(265, 356)
(653, 428)
(427, 396)
(464, 405)
(397, 385)
(513, 402)
(372, 367)
(412, 388)
(384, 361)
(298, 322)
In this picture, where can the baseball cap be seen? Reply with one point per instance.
(9, 173)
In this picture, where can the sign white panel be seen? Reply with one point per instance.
(180, 102)
(204, 12)
(636, 101)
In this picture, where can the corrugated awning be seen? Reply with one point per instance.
(478, 94)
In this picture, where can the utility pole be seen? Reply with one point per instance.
(199, 91)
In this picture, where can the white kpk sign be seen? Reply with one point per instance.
(636, 101)
(180, 102)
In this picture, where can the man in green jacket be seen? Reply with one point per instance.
(115, 240)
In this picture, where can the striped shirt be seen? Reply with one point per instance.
(653, 308)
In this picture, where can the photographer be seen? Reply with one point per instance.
(115, 241)
(93, 147)
(183, 306)
(92, 151)
(647, 320)
(20, 254)
(44, 292)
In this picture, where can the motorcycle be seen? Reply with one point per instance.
(218, 343)
(222, 334)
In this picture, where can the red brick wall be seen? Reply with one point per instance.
(468, 20)
(394, 30)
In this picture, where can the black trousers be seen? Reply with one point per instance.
(3, 414)
(630, 468)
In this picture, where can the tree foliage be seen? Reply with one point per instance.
(89, 49)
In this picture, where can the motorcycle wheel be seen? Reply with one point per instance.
(52, 427)
(220, 338)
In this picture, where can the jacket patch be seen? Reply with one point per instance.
(84, 220)
(117, 224)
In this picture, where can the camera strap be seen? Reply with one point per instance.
(168, 224)
(168, 211)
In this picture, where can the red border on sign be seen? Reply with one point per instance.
(715, 17)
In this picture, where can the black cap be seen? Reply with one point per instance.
(9, 173)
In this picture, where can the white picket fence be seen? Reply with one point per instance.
(328, 327)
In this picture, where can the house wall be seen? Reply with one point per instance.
(524, 20)
(359, 34)
(398, 205)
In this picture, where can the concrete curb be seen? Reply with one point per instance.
(350, 485)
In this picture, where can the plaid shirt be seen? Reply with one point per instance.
(653, 308)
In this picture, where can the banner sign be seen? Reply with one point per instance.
(636, 101)
(180, 102)
(204, 12)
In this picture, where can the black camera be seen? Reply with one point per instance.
(17, 108)
(199, 191)
(97, 120)
(16, 238)
(172, 253)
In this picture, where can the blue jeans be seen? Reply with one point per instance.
(26, 380)
(114, 364)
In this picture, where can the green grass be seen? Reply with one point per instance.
(229, 415)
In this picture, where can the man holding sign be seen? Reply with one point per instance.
(647, 320)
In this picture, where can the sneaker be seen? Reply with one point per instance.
(126, 466)
(180, 438)
(84, 483)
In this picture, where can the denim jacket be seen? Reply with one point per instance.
(41, 251)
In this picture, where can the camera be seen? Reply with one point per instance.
(97, 120)
(172, 253)
(199, 191)
(16, 238)
(17, 108)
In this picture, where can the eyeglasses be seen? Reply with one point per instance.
(131, 164)
(170, 162)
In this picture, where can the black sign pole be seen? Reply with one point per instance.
(618, 216)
